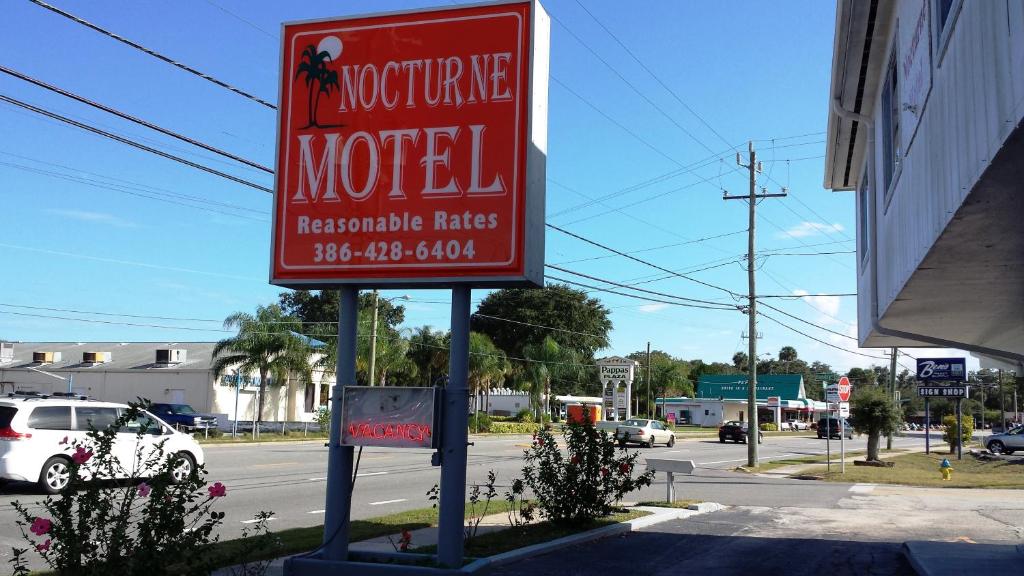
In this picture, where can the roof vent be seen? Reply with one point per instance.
(95, 357)
(44, 357)
(170, 356)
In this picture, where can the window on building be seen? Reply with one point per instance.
(864, 213)
(50, 418)
(890, 113)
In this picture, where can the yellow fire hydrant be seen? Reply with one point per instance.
(947, 469)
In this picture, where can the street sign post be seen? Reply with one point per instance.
(955, 391)
(411, 150)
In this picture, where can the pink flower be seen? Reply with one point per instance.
(44, 546)
(217, 490)
(62, 442)
(405, 540)
(81, 455)
(41, 526)
(144, 489)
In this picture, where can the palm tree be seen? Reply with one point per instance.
(267, 343)
(428, 349)
(487, 364)
(314, 65)
(548, 360)
(787, 354)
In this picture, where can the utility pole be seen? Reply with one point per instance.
(752, 426)
(892, 389)
(1002, 402)
(373, 339)
(649, 406)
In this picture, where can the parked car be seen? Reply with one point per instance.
(1006, 443)
(608, 426)
(736, 431)
(184, 417)
(798, 425)
(33, 430)
(830, 426)
(644, 432)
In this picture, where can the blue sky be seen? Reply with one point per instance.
(92, 225)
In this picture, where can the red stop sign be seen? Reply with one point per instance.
(845, 389)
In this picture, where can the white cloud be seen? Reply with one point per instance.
(805, 229)
(649, 308)
(828, 305)
(95, 217)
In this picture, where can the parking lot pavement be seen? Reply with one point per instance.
(720, 543)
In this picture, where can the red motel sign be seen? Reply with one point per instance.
(411, 149)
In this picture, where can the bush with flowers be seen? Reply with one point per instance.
(119, 524)
(585, 482)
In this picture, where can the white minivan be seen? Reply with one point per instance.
(36, 433)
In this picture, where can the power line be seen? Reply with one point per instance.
(808, 322)
(131, 118)
(153, 53)
(635, 259)
(645, 298)
(509, 320)
(132, 143)
(674, 245)
(620, 285)
(651, 73)
(806, 335)
(795, 296)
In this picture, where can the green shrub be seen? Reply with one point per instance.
(950, 433)
(323, 420)
(514, 428)
(769, 427)
(480, 422)
(585, 483)
(524, 415)
(495, 418)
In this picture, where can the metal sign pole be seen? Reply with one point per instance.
(927, 428)
(959, 430)
(842, 443)
(454, 437)
(828, 439)
(339, 458)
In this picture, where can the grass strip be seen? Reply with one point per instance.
(515, 537)
(921, 469)
(666, 504)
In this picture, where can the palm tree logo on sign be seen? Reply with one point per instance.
(314, 65)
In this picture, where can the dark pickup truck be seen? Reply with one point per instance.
(183, 417)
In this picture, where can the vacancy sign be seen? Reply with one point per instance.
(411, 149)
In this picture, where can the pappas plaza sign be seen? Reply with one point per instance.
(411, 149)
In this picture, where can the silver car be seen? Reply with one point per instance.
(1006, 443)
(644, 432)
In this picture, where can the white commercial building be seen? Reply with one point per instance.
(925, 125)
(176, 372)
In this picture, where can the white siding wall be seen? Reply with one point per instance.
(976, 98)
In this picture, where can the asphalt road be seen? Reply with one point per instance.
(290, 478)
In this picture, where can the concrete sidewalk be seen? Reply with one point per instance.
(956, 558)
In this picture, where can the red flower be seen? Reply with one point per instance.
(44, 546)
(604, 471)
(217, 490)
(81, 455)
(64, 441)
(40, 526)
(405, 540)
(625, 468)
(575, 459)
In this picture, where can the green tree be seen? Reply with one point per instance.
(268, 343)
(874, 414)
(319, 308)
(740, 361)
(954, 435)
(519, 317)
(487, 367)
(547, 360)
(428, 350)
(669, 377)
(787, 354)
(862, 377)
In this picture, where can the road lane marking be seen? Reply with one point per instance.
(387, 502)
(255, 520)
(318, 478)
(316, 512)
(370, 474)
(744, 459)
(862, 488)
